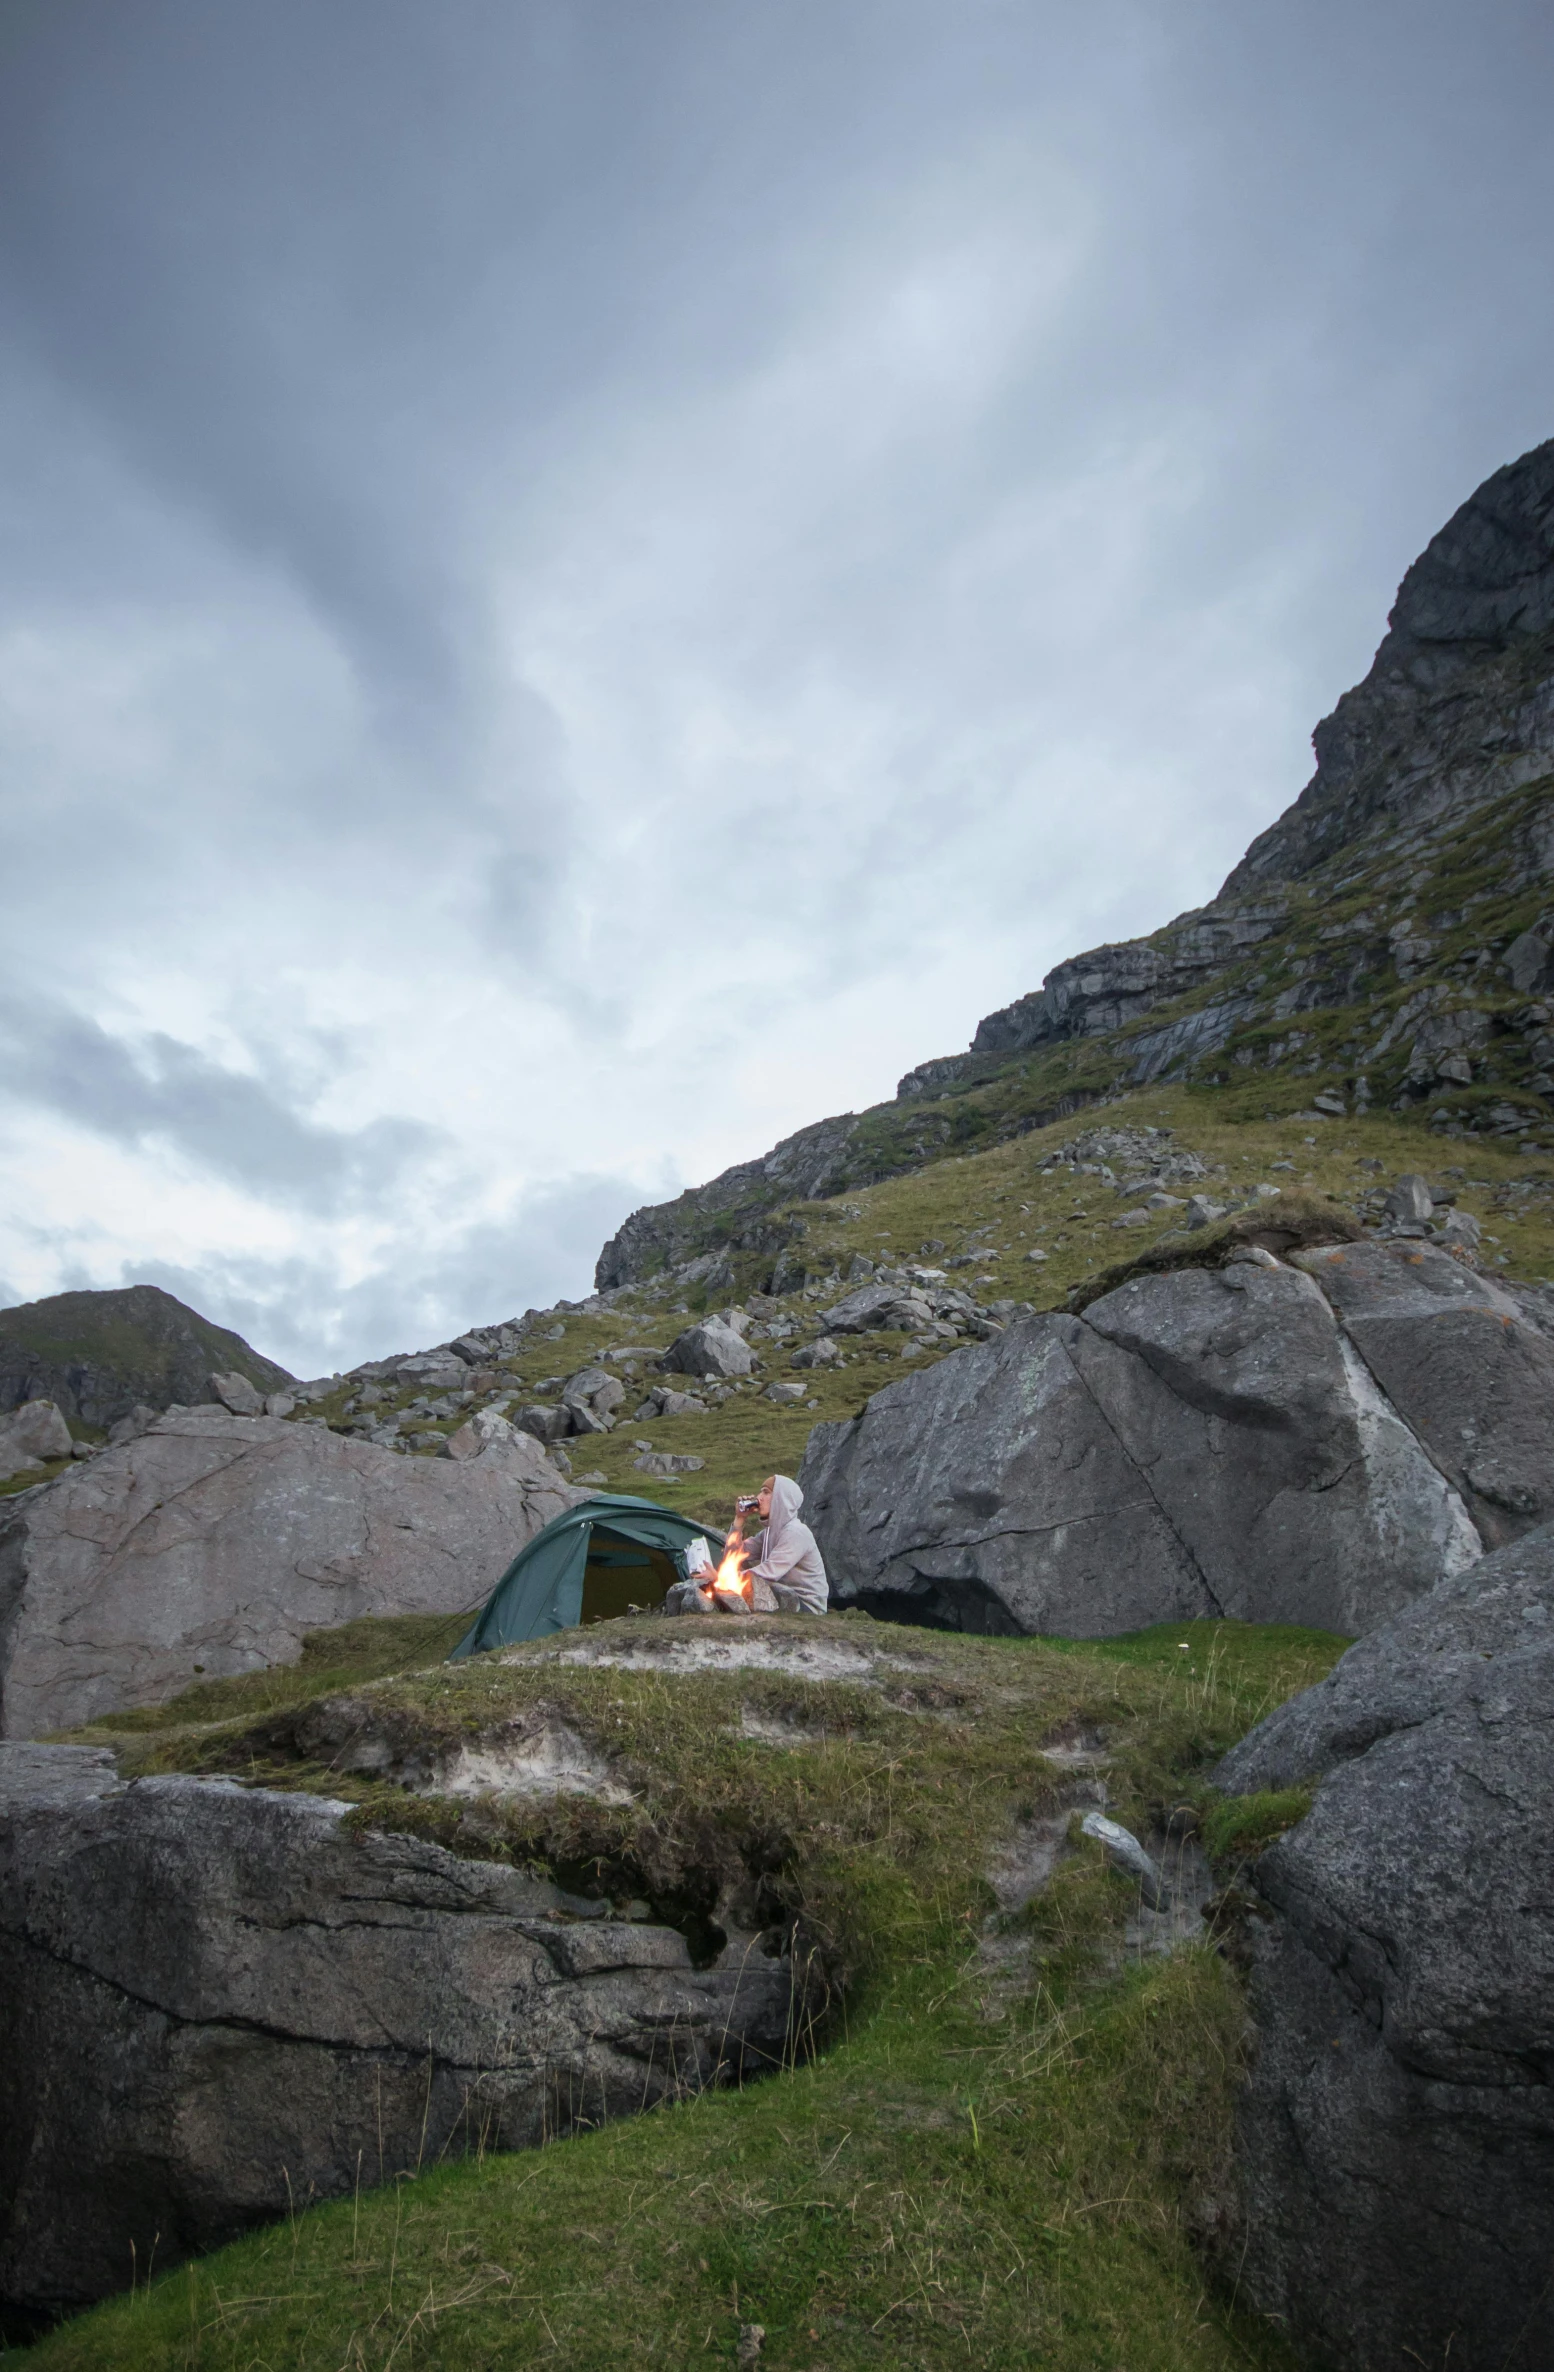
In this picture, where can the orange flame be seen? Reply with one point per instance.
(732, 1581)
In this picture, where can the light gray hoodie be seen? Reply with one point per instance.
(786, 1555)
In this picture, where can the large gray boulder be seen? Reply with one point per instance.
(212, 1543)
(1461, 1364)
(1203, 1442)
(215, 2002)
(1396, 2143)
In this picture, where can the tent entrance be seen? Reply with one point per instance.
(621, 1574)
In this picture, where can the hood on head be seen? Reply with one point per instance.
(787, 1499)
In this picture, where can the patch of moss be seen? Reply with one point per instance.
(1237, 1828)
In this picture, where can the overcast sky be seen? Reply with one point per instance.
(584, 584)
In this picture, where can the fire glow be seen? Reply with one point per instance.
(731, 1583)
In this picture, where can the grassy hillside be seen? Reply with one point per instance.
(1014, 2128)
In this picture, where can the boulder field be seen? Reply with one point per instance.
(1396, 2146)
(1315, 1440)
(211, 1543)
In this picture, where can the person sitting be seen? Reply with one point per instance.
(784, 1557)
(780, 1572)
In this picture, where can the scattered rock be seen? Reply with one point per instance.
(1410, 1198)
(1201, 1212)
(667, 1462)
(662, 1401)
(1124, 1850)
(434, 1371)
(712, 1348)
(31, 1434)
(784, 1395)
(487, 1428)
(237, 1394)
(880, 1308)
(544, 1424)
(822, 1352)
(590, 1398)
(130, 1428)
(1396, 2144)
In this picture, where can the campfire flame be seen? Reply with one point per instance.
(732, 1581)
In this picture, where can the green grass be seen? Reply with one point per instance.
(1239, 1827)
(331, 1659)
(1012, 2131)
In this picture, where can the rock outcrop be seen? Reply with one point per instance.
(212, 1543)
(97, 1355)
(1458, 706)
(219, 2004)
(1253, 1441)
(1396, 2144)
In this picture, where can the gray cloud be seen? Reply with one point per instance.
(160, 1093)
(298, 1312)
(606, 579)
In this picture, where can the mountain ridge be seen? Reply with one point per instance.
(97, 1354)
(1443, 752)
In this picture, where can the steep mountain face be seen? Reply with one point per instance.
(96, 1355)
(1388, 940)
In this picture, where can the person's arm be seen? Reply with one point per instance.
(773, 1565)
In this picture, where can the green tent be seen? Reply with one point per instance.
(602, 1557)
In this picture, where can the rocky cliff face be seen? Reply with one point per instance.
(1458, 707)
(1389, 939)
(99, 1355)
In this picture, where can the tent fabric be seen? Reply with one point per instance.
(543, 1588)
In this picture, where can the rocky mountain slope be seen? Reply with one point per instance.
(1389, 942)
(99, 1355)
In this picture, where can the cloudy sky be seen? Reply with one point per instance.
(583, 582)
